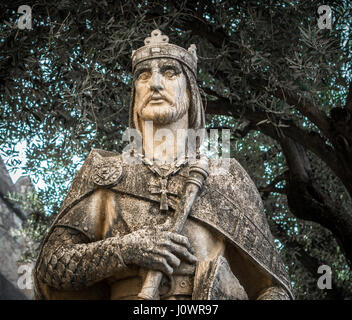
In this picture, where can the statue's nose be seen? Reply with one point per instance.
(156, 81)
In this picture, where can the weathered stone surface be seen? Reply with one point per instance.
(124, 225)
(215, 281)
(9, 291)
(12, 244)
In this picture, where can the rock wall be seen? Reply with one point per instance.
(12, 243)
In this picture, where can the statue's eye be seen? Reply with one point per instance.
(170, 74)
(144, 75)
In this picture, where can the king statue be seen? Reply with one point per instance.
(160, 225)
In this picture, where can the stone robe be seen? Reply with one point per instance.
(229, 207)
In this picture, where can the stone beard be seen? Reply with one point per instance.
(116, 225)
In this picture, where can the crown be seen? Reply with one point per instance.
(158, 46)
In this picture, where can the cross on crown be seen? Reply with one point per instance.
(158, 46)
(156, 38)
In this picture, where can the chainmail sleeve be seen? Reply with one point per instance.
(70, 262)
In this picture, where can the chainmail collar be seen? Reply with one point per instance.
(164, 170)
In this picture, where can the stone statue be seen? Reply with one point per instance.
(160, 228)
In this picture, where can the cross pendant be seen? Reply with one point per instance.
(164, 206)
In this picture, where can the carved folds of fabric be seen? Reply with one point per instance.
(214, 280)
(229, 204)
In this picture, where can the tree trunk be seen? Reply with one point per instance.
(309, 202)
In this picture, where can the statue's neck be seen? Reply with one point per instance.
(165, 143)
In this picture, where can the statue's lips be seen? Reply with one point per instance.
(157, 100)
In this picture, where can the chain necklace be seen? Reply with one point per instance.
(164, 172)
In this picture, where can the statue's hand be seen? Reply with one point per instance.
(156, 249)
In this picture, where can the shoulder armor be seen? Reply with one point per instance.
(101, 169)
(107, 172)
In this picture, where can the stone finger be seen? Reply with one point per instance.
(181, 252)
(180, 240)
(172, 260)
(162, 265)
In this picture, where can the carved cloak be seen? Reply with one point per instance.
(229, 204)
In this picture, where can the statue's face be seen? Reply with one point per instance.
(161, 93)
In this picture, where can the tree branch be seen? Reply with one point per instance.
(306, 108)
(310, 140)
(269, 188)
(309, 202)
(303, 105)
